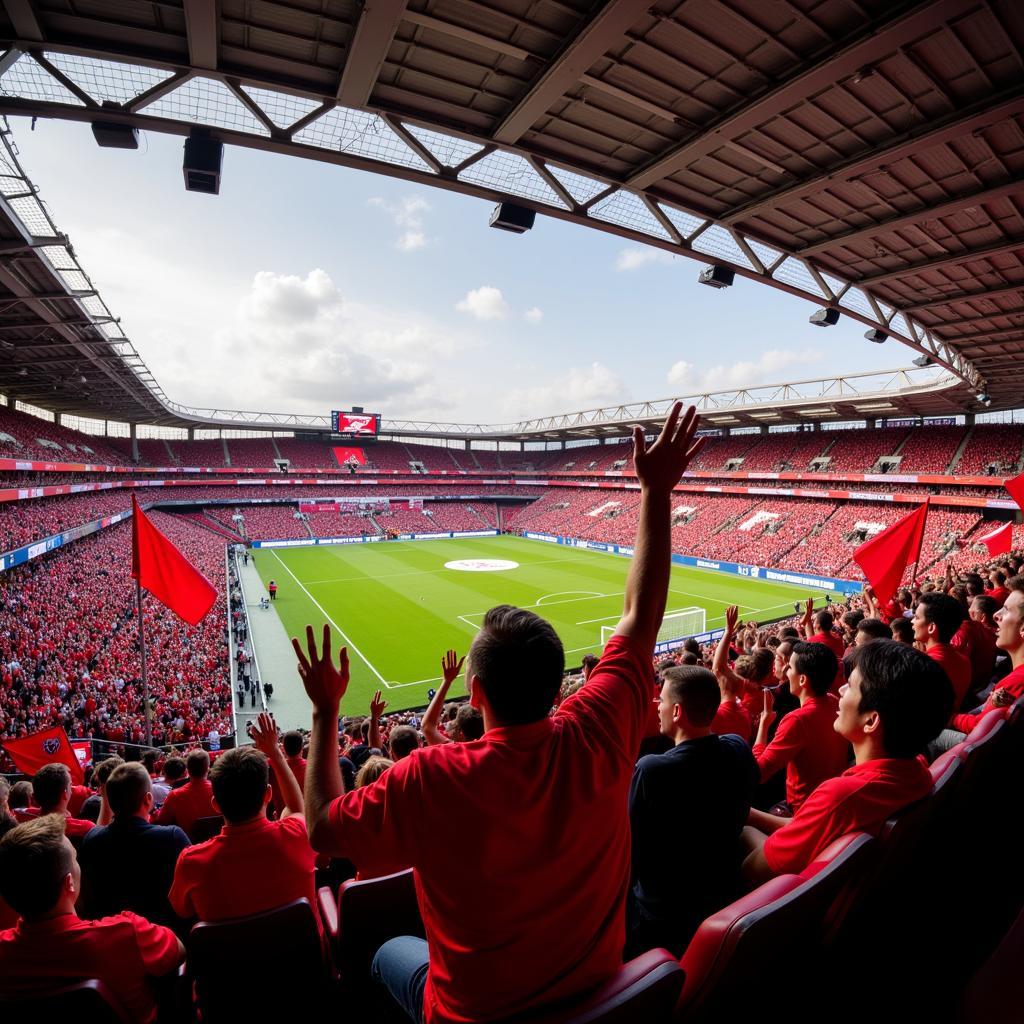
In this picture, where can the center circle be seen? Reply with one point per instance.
(481, 565)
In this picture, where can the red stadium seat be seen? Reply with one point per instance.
(225, 957)
(88, 1000)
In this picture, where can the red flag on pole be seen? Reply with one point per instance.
(886, 556)
(999, 541)
(166, 573)
(1015, 486)
(51, 746)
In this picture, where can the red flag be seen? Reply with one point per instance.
(166, 573)
(999, 541)
(51, 746)
(886, 556)
(1015, 485)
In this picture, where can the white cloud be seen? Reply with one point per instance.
(634, 259)
(534, 315)
(577, 388)
(407, 213)
(485, 303)
(685, 378)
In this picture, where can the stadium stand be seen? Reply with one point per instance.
(306, 454)
(250, 451)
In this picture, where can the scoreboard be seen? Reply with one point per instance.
(355, 424)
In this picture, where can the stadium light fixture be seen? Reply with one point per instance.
(717, 276)
(824, 317)
(879, 337)
(984, 399)
(204, 158)
(922, 361)
(509, 217)
(110, 135)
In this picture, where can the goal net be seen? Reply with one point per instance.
(675, 628)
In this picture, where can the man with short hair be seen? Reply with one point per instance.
(185, 806)
(404, 739)
(129, 864)
(693, 801)
(589, 663)
(51, 791)
(896, 700)
(936, 619)
(817, 629)
(51, 945)
(805, 744)
(254, 864)
(539, 804)
(982, 628)
(292, 743)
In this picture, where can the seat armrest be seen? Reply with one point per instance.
(327, 903)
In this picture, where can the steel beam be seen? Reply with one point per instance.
(374, 33)
(875, 42)
(592, 41)
(941, 261)
(201, 26)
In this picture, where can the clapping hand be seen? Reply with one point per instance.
(325, 685)
(264, 734)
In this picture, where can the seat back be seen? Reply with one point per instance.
(88, 1000)
(222, 956)
(206, 828)
(644, 989)
(370, 912)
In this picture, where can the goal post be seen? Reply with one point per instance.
(675, 628)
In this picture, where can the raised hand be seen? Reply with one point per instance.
(264, 734)
(377, 705)
(659, 467)
(768, 715)
(325, 685)
(732, 617)
(450, 668)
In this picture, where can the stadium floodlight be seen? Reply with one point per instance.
(716, 276)
(202, 164)
(824, 317)
(922, 361)
(509, 217)
(110, 135)
(879, 337)
(984, 399)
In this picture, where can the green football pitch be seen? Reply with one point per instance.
(398, 606)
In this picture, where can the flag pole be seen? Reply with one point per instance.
(147, 712)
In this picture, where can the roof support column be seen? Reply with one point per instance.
(133, 433)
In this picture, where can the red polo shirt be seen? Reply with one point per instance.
(859, 800)
(536, 829)
(121, 951)
(1013, 684)
(248, 868)
(957, 668)
(185, 806)
(809, 747)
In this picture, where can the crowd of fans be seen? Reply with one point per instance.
(588, 819)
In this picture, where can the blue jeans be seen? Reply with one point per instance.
(400, 965)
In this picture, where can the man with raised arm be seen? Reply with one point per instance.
(535, 812)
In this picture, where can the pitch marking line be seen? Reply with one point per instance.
(343, 634)
(563, 593)
(413, 572)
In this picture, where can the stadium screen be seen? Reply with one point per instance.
(364, 424)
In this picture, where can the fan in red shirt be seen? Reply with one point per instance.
(999, 591)
(535, 812)
(816, 628)
(936, 619)
(51, 791)
(981, 628)
(806, 743)
(1009, 638)
(292, 743)
(40, 879)
(897, 700)
(185, 806)
(254, 864)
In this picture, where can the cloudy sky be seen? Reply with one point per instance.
(304, 287)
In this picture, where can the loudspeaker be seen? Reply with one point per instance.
(115, 136)
(202, 164)
(716, 276)
(510, 217)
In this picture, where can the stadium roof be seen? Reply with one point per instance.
(867, 156)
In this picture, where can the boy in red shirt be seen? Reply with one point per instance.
(936, 619)
(896, 700)
(51, 945)
(254, 864)
(186, 805)
(806, 743)
(536, 810)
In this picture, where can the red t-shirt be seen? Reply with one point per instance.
(185, 806)
(121, 951)
(957, 668)
(998, 594)
(522, 891)
(298, 767)
(732, 717)
(981, 650)
(79, 794)
(72, 826)
(859, 800)
(247, 868)
(1012, 683)
(808, 745)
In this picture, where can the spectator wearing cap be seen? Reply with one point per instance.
(185, 806)
(40, 878)
(129, 864)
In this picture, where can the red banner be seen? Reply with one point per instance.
(350, 455)
(51, 746)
